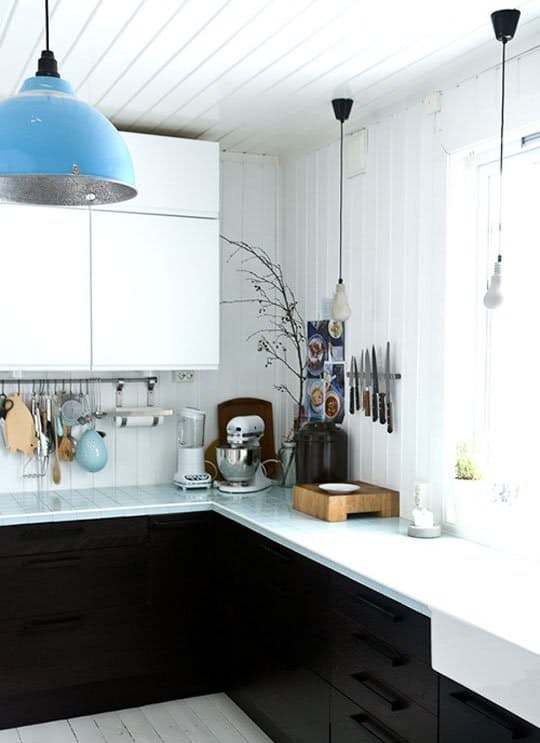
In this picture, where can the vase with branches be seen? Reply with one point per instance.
(281, 339)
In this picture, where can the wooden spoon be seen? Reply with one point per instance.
(56, 471)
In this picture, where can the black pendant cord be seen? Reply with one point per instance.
(501, 151)
(341, 207)
(47, 25)
(47, 65)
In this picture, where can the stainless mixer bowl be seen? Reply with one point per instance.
(238, 463)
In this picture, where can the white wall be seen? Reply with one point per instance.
(395, 257)
(392, 222)
(249, 194)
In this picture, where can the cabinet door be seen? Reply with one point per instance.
(155, 300)
(466, 716)
(45, 297)
(173, 176)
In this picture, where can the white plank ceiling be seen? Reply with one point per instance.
(256, 75)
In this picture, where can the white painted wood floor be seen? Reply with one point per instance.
(207, 719)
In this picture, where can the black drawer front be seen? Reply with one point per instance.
(351, 723)
(72, 535)
(291, 705)
(63, 650)
(72, 581)
(357, 651)
(389, 620)
(465, 716)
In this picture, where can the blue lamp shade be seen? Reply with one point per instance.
(56, 149)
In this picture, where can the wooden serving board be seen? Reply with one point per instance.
(372, 499)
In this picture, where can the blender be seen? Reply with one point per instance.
(190, 467)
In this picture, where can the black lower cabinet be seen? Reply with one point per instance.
(105, 614)
(466, 716)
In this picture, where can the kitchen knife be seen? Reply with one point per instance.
(388, 375)
(352, 405)
(380, 390)
(356, 385)
(367, 382)
(375, 387)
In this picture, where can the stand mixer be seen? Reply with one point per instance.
(240, 461)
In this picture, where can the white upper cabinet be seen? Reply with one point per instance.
(173, 176)
(45, 296)
(155, 292)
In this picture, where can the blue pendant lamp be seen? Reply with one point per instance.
(56, 149)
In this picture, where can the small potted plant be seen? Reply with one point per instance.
(468, 491)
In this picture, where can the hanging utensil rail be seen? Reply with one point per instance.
(149, 381)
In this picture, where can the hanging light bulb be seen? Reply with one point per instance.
(493, 298)
(341, 309)
(504, 24)
(57, 149)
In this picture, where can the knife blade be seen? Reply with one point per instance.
(367, 383)
(389, 407)
(356, 385)
(352, 404)
(360, 399)
(381, 391)
(375, 387)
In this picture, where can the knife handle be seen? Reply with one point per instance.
(389, 416)
(382, 408)
(366, 403)
(357, 397)
(374, 408)
(352, 405)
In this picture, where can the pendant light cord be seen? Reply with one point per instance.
(341, 207)
(501, 151)
(47, 25)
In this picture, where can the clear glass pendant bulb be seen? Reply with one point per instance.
(341, 309)
(493, 298)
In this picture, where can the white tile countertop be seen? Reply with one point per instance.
(489, 590)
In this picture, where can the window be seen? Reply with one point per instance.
(493, 358)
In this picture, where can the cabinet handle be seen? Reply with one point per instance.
(276, 553)
(395, 702)
(388, 613)
(382, 648)
(517, 730)
(163, 525)
(376, 729)
(43, 533)
(60, 562)
(51, 625)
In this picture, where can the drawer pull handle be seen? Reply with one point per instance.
(276, 553)
(171, 525)
(382, 648)
(395, 702)
(42, 533)
(388, 613)
(517, 730)
(376, 729)
(61, 562)
(53, 624)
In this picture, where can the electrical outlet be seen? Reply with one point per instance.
(184, 377)
(432, 102)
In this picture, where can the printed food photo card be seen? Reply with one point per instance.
(325, 387)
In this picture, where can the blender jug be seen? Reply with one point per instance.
(191, 470)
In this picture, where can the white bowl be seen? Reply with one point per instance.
(339, 488)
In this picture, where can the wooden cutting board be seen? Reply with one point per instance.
(371, 499)
(20, 429)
